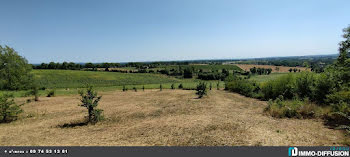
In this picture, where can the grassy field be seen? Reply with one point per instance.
(264, 78)
(162, 118)
(78, 79)
(67, 82)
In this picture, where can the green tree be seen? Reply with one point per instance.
(14, 70)
(9, 110)
(90, 100)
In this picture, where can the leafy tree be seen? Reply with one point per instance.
(90, 100)
(9, 110)
(188, 73)
(201, 89)
(14, 70)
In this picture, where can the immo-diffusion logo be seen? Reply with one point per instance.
(293, 151)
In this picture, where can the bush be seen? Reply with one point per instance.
(90, 100)
(201, 89)
(51, 93)
(280, 108)
(284, 85)
(160, 87)
(8, 109)
(181, 86)
(172, 86)
(305, 85)
(245, 87)
(135, 89)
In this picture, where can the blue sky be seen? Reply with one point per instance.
(155, 30)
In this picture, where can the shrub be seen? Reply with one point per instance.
(210, 86)
(9, 110)
(160, 87)
(135, 89)
(181, 86)
(188, 73)
(283, 85)
(125, 89)
(143, 88)
(201, 89)
(218, 85)
(51, 93)
(244, 87)
(305, 84)
(295, 108)
(90, 100)
(172, 86)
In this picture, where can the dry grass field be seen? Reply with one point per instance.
(275, 69)
(166, 118)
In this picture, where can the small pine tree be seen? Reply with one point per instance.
(172, 86)
(135, 89)
(160, 87)
(218, 85)
(90, 100)
(124, 88)
(201, 89)
(181, 86)
(210, 86)
(143, 88)
(9, 110)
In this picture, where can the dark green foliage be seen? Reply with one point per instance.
(218, 85)
(172, 86)
(135, 89)
(211, 76)
(201, 89)
(90, 100)
(160, 87)
(210, 86)
(305, 85)
(51, 93)
(260, 71)
(283, 85)
(181, 86)
(143, 88)
(14, 70)
(241, 86)
(188, 73)
(9, 110)
(124, 88)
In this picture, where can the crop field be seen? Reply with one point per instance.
(162, 118)
(275, 69)
(78, 79)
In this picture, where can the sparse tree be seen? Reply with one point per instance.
(90, 100)
(201, 89)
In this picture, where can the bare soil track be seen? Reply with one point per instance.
(166, 118)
